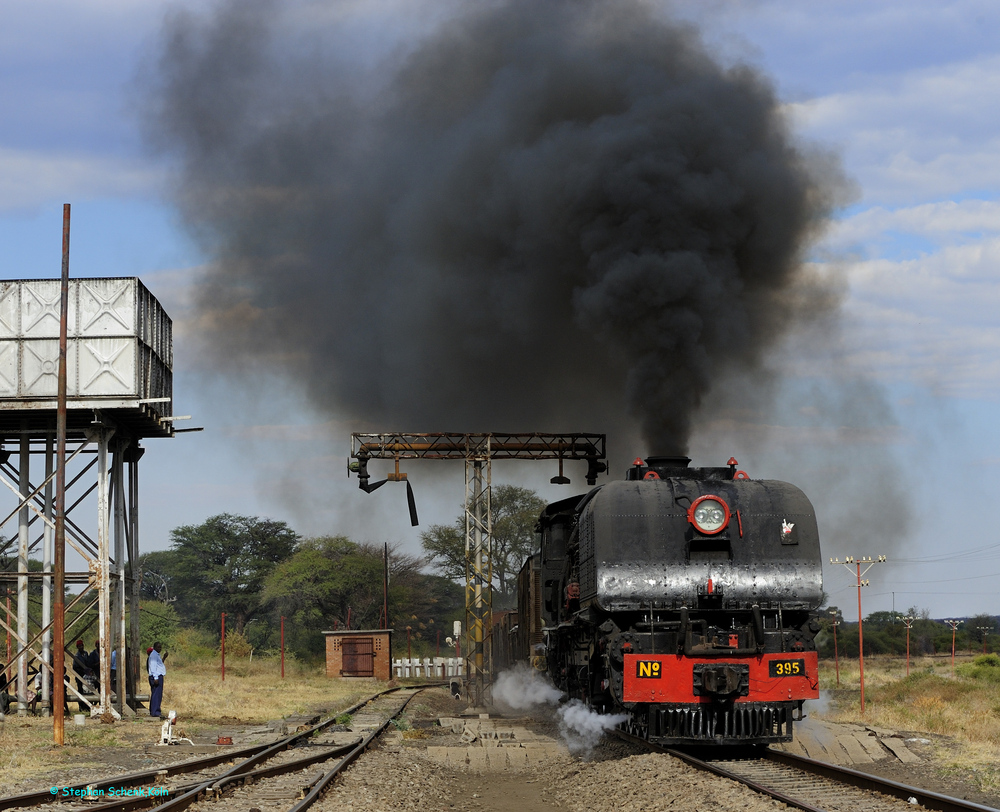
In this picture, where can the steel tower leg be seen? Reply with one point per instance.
(479, 577)
(46, 700)
(23, 542)
(128, 665)
(118, 601)
(103, 436)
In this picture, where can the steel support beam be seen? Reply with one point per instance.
(116, 489)
(23, 518)
(478, 580)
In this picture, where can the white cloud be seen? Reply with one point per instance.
(946, 221)
(929, 320)
(926, 133)
(29, 179)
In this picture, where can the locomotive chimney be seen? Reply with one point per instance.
(664, 466)
(667, 462)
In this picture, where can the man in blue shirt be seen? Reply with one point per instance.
(157, 671)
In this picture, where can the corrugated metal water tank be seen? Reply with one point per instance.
(119, 347)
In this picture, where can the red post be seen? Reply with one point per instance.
(836, 654)
(907, 651)
(223, 646)
(385, 588)
(870, 562)
(861, 642)
(282, 648)
(59, 536)
(348, 626)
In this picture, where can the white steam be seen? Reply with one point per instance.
(582, 727)
(522, 688)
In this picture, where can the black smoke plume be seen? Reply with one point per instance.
(560, 215)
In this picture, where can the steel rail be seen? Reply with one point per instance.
(217, 784)
(253, 757)
(840, 775)
(845, 775)
(324, 781)
(707, 766)
(130, 803)
(130, 779)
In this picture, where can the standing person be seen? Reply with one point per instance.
(94, 664)
(114, 670)
(80, 664)
(157, 671)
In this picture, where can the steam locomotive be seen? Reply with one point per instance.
(682, 597)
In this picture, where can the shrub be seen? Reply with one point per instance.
(986, 667)
(194, 644)
(237, 645)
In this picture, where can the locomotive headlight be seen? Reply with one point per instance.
(709, 514)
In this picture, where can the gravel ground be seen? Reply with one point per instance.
(403, 778)
(401, 775)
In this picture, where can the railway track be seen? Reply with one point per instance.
(816, 786)
(290, 773)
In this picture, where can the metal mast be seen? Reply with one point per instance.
(478, 451)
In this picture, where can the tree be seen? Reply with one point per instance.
(332, 575)
(515, 512)
(156, 568)
(222, 565)
(981, 626)
(157, 621)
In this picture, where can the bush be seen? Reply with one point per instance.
(985, 667)
(194, 644)
(237, 645)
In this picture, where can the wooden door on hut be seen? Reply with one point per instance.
(358, 657)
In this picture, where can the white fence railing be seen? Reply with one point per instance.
(428, 667)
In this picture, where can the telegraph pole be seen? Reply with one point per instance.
(954, 628)
(836, 655)
(985, 630)
(850, 562)
(909, 625)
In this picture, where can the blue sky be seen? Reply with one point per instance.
(904, 92)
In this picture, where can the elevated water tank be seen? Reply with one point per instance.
(119, 353)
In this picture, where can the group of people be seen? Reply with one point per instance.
(87, 667)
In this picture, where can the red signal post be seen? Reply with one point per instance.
(850, 562)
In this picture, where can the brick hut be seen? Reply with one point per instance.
(360, 653)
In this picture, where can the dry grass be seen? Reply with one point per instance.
(254, 693)
(251, 694)
(962, 706)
